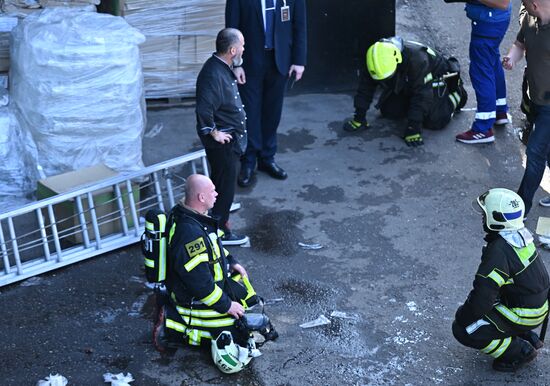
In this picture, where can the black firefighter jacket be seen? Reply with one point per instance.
(510, 288)
(197, 262)
(414, 75)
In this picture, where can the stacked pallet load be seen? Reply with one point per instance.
(180, 36)
(77, 88)
(22, 8)
(7, 23)
(14, 9)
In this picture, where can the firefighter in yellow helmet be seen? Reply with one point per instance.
(509, 298)
(417, 83)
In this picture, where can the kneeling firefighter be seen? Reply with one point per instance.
(417, 83)
(203, 302)
(510, 292)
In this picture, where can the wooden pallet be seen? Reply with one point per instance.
(159, 103)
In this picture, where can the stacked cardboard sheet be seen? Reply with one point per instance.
(180, 36)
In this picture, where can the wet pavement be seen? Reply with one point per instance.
(400, 246)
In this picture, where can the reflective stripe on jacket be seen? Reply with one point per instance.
(510, 287)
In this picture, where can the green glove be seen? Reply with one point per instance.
(413, 138)
(353, 125)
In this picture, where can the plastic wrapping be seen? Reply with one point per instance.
(53, 380)
(17, 159)
(14, 9)
(171, 64)
(181, 35)
(175, 17)
(23, 8)
(77, 87)
(119, 379)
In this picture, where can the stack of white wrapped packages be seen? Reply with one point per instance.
(13, 9)
(76, 85)
(17, 160)
(22, 8)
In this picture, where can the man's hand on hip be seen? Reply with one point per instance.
(220, 136)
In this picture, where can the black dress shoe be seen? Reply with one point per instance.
(273, 170)
(245, 177)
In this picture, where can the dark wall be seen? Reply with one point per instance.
(114, 7)
(339, 33)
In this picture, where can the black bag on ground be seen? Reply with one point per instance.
(455, 83)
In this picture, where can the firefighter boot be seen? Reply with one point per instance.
(509, 365)
(355, 125)
(533, 338)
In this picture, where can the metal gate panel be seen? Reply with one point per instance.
(34, 241)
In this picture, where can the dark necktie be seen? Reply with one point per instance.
(269, 23)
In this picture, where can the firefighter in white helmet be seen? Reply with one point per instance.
(510, 291)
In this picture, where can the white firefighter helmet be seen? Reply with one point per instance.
(228, 356)
(503, 208)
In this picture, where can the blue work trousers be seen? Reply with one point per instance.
(486, 72)
(538, 155)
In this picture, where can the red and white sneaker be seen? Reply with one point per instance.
(471, 136)
(501, 119)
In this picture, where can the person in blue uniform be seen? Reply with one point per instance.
(490, 20)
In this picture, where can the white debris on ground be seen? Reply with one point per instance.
(343, 315)
(53, 380)
(119, 379)
(32, 282)
(320, 321)
(154, 131)
(313, 246)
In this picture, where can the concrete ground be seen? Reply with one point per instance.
(400, 246)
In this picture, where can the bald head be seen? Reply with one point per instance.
(227, 38)
(200, 193)
(538, 8)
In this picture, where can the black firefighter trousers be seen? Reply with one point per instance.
(396, 106)
(489, 340)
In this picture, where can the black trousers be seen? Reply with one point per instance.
(396, 106)
(262, 96)
(488, 339)
(223, 173)
(240, 335)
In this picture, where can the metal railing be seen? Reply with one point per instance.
(89, 220)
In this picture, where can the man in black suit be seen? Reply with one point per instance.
(275, 34)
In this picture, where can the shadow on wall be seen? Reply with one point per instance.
(339, 33)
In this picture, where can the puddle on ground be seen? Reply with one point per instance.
(120, 362)
(296, 140)
(304, 291)
(335, 328)
(323, 196)
(275, 232)
(336, 128)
